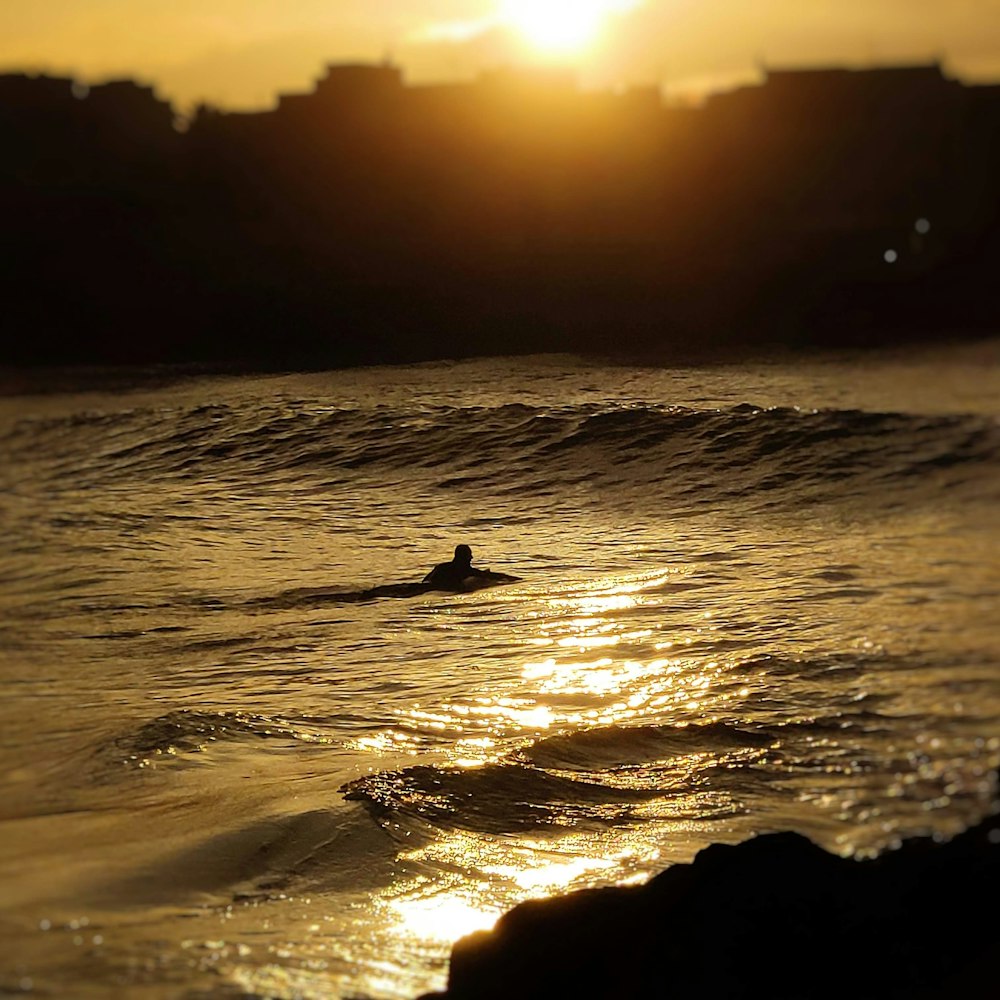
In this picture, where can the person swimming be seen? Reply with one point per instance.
(457, 574)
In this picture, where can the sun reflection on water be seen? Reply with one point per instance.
(539, 875)
(637, 677)
(443, 917)
(506, 871)
(602, 669)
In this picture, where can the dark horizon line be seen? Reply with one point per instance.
(761, 70)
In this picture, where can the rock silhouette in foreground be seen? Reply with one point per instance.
(775, 916)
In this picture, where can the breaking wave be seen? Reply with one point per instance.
(682, 452)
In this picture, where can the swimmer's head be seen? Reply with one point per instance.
(463, 554)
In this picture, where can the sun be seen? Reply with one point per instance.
(560, 26)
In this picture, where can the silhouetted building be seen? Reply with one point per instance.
(348, 89)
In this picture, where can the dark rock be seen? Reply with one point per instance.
(775, 916)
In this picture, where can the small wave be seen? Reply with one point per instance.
(497, 799)
(600, 777)
(610, 748)
(187, 732)
(326, 850)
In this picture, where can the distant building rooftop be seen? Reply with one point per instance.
(804, 86)
(795, 74)
(352, 83)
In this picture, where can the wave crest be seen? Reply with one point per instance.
(686, 453)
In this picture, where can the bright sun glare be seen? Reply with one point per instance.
(560, 25)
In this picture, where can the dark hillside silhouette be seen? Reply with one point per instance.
(374, 221)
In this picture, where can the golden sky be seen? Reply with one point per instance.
(241, 53)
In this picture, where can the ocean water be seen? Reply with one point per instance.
(236, 760)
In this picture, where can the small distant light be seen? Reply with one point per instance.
(890, 256)
(80, 90)
(922, 226)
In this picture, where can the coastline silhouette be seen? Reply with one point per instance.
(373, 221)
